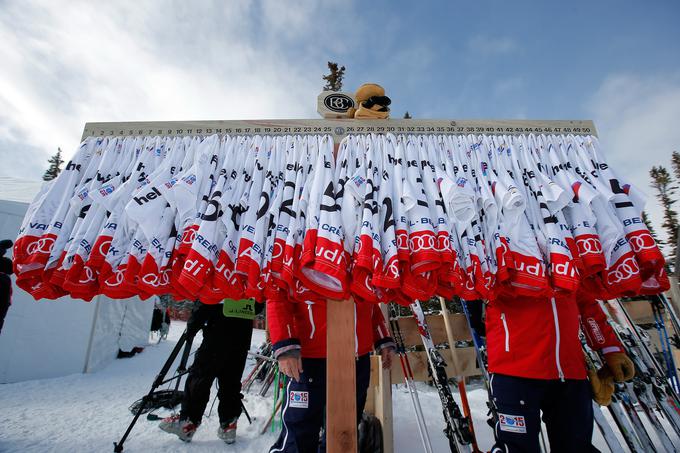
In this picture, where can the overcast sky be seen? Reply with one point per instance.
(64, 63)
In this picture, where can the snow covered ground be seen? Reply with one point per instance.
(88, 412)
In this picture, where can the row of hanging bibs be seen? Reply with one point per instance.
(390, 218)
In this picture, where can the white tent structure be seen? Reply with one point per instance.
(51, 338)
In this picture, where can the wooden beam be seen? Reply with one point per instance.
(466, 360)
(449, 332)
(640, 311)
(341, 405)
(459, 329)
(339, 127)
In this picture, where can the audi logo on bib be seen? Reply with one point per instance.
(589, 245)
(90, 275)
(42, 245)
(625, 270)
(641, 240)
(116, 279)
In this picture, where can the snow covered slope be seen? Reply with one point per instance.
(88, 412)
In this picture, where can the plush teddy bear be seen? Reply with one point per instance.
(372, 102)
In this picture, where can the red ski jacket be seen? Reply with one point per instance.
(302, 326)
(539, 338)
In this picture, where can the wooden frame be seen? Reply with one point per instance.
(340, 127)
(341, 422)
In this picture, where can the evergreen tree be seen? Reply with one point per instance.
(407, 116)
(334, 79)
(663, 183)
(648, 222)
(675, 163)
(55, 166)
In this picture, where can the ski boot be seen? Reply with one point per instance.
(184, 429)
(227, 431)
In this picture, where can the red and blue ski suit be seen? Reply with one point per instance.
(537, 366)
(301, 328)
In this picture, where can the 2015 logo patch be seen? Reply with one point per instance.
(298, 399)
(512, 423)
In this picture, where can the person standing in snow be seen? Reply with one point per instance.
(537, 365)
(5, 281)
(298, 336)
(227, 333)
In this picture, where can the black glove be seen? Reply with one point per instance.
(476, 316)
(5, 245)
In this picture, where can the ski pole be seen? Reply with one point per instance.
(665, 345)
(282, 382)
(671, 313)
(248, 381)
(479, 345)
(468, 414)
(276, 398)
(410, 387)
(271, 417)
(262, 357)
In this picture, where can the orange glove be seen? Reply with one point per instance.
(620, 366)
(602, 383)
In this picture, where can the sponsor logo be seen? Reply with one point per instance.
(595, 330)
(106, 190)
(589, 245)
(512, 423)
(641, 241)
(42, 245)
(298, 399)
(104, 247)
(116, 279)
(189, 179)
(90, 275)
(157, 280)
(338, 102)
(153, 194)
(627, 269)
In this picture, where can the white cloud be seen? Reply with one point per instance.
(66, 63)
(638, 122)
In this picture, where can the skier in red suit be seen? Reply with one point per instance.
(298, 335)
(537, 365)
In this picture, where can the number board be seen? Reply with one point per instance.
(339, 128)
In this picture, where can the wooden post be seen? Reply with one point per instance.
(449, 334)
(341, 405)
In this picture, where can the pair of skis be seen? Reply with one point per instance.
(458, 427)
(638, 407)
